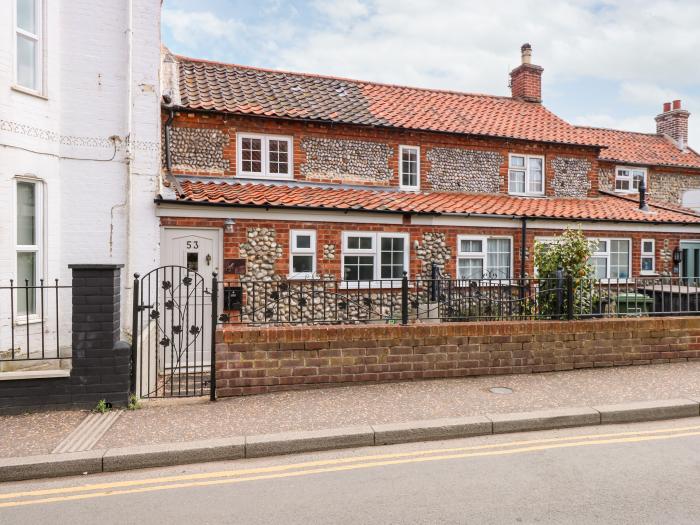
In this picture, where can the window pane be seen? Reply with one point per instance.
(498, 258)
(517, 162)
(471, 246)
(26, 214)
(647, 264)
(536, 164)
(26, 62)
(303, 241)
(251, 155)
(359, 267)
(636, 180)
(193, 261)
(470, 268)
(409, 167)
(392, 251)
(622, 184)
(599, 267)
(648, 247)
(302, 264)
(517, 181)
(600, 246)
(26, 274)
(279, 156)
(26, 15)
(365, 243)
(619, 259)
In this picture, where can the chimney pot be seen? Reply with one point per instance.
(676, 104)
(667, 107)
(526, 53)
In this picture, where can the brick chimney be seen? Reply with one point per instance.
(673, 122)
(526, 79)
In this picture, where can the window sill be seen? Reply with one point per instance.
(374, 285)
(513, 194)
(413, 189)
(33, 374)
(303, 277)
(27, 91)
(257, 178)
(32, 319)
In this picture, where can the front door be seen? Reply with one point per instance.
(690, 262)
(197, 250)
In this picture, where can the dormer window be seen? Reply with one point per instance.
(627, 179)
(264, 156)
(526, 175)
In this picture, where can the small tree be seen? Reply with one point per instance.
(571, 254)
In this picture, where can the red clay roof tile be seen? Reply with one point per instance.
(246, 90)
(641, 148)
(606, 207)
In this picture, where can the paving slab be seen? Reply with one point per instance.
(294, 442)
(648, 410)
(168, 454)
(430, 430)
(544, 419)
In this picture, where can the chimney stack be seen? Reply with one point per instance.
(673, 122)
(526, 79)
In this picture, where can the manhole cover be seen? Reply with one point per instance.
(501, 390)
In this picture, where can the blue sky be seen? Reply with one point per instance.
(606, 63)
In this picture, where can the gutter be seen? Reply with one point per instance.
(267, 207)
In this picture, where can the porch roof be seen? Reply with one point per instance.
(606, 207)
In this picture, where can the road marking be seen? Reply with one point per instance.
(370, 462)
(325, 462)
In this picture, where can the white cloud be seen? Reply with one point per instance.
(196, 27)
(647, 49)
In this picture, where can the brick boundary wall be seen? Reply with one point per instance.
(258, 360)
(100, 362)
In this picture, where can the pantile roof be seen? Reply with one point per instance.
(606, 207)
(230, 88)
(641, 148)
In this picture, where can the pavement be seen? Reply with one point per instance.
(350, 416)
(621, 474)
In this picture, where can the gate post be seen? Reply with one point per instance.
(214, 319)
(134, 333)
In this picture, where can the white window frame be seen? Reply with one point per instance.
(401, 173)
(376, 253)
(526, 168)
(647, 255)
(483, 255)
(38, 38)
(607, 254)
(294, 250)
(264, 157)
(629, 178)
(37, 248)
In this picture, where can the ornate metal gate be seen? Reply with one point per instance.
(174, 321)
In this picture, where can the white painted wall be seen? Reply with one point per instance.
(99, 204)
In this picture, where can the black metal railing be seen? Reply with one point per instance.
(31, 319)
(561, 297)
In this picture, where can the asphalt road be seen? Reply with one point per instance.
(641, 473)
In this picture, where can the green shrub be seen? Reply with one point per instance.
(571, 254)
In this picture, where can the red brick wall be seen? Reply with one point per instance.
(331, 233)
(231, 124)
(253, 361)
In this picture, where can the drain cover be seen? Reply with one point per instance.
(501, 390)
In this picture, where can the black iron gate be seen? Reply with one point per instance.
(174, 322)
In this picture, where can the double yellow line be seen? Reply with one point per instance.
(99, 490)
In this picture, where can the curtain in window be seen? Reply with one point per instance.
(498, 258)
